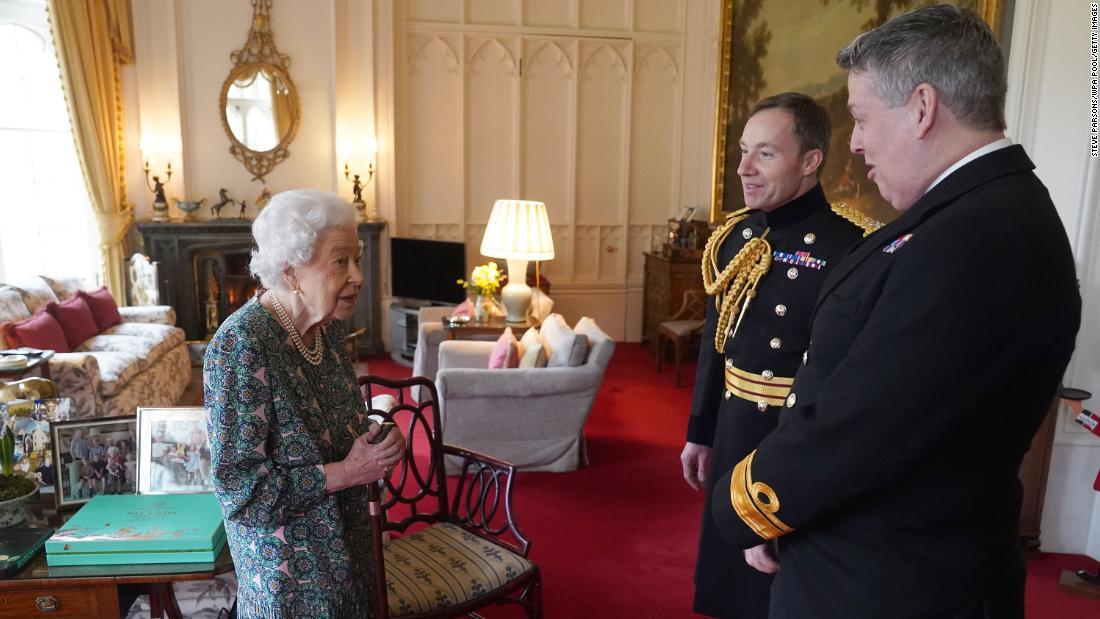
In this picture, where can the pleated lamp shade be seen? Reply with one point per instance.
(518, 230)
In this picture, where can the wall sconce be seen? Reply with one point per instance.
(160, 203)
(357, 185)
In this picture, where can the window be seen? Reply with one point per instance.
(47, 226)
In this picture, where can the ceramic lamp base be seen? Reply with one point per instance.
(516, 296)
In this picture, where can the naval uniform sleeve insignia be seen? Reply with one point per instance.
(756, 503)
(861, 220)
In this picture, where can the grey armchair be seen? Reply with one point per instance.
(533, 418)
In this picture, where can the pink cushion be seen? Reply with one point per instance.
(463, 309)
(39, 331)
(103, 306)
(505, 352)
(76, 320)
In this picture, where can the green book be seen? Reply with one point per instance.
(18, 545)
(140, 528)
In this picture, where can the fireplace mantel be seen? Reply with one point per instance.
(175, 245)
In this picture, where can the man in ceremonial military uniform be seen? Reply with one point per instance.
(936, 348)
(764, 267)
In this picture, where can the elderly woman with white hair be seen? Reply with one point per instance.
(289, 437)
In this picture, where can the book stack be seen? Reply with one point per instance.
(145, 528)
(18, 545)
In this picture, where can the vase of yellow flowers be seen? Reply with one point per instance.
(485, 281)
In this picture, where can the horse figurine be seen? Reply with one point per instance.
(225, 200)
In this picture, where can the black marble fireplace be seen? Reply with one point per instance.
(203, 271)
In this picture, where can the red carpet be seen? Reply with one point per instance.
(618, 538)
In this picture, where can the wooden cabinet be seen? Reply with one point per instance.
(666, 281)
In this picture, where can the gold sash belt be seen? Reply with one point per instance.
(756, 387)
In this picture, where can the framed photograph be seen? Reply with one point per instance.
(173, 450)
(92, 457)
(33, 443)
(773, 46)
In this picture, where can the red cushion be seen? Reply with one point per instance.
(39, 331)
(76, 320)
(103, 306)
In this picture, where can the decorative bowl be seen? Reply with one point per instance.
(188, 207)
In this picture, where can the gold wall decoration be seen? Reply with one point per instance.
(258, 103)
(773, 46)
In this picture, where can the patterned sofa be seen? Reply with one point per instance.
(141, 362)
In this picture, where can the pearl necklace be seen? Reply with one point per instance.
(313, 356)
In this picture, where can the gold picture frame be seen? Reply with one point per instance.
(259, 58)
(806, 37)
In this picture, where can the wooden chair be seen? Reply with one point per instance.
(444, 558)
(682, 327)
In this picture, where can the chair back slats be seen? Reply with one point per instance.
(482, 501)
(416, 492)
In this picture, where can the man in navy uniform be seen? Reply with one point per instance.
(936, 348)
(764, 267)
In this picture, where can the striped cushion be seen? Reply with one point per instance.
(445, 565)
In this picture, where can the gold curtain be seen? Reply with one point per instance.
(281, 109)
(93, 39)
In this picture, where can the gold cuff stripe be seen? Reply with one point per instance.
(745, 496)
(754, 387)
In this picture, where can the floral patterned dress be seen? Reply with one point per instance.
(274, 420)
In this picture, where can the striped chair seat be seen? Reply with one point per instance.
(445, 565)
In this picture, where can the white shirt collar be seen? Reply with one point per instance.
(984, 150)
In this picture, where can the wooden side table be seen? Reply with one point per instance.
(39, 590)
(494, 326)
(41, 363)
(93, 590)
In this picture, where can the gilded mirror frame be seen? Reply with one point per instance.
(756, 37)
(259, 52)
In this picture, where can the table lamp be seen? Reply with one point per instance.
(518, 231)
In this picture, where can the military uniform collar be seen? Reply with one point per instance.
(984, 169)
(797, 210)
(988, 167)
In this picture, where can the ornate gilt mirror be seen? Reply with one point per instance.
(258, 102)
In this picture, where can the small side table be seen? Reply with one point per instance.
(493, 326)
(40, 362)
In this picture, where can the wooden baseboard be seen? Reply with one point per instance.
(1070, 582)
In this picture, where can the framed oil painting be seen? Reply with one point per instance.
(92, 457)
(773, 46)
(173, 450)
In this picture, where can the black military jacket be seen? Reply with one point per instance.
(936, 347)
(774, 330)
(807, 240)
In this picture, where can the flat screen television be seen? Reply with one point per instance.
(427, 270)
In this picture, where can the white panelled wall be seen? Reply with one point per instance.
(1049, 54)
(580, 105)
(603, 109)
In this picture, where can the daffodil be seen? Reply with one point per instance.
(485, 279)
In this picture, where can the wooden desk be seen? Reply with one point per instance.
(100, 591)
(94, 590)
(493, 326)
